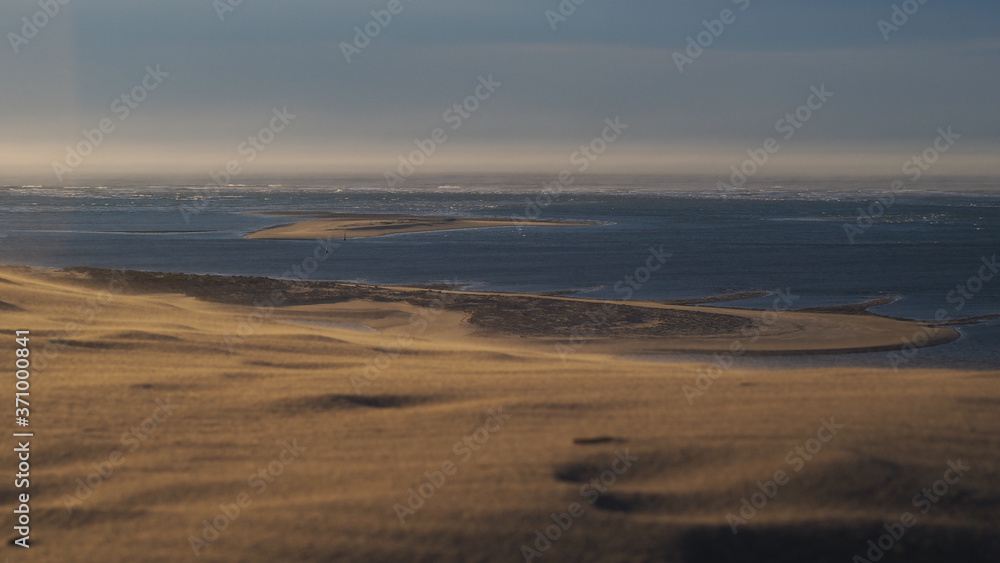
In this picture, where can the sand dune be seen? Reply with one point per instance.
(499, 431)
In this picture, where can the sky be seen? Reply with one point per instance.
(217, 71)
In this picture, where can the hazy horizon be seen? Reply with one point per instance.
(218, 75)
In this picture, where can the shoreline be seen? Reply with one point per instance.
(366, 225)
(600, 326)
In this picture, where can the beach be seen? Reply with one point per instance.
(252, 419)
(500, 282)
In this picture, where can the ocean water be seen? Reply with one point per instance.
(928, 248)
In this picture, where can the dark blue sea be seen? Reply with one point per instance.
(929, 248)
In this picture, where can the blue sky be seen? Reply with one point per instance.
(606, 59)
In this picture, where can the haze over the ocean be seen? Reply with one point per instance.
(229, 67)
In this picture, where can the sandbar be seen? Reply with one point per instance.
(365, 225)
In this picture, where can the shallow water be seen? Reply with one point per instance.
(770, 236)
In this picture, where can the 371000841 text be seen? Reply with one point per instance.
(22, 385)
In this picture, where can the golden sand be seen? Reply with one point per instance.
(325, 429)
(347, 225)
